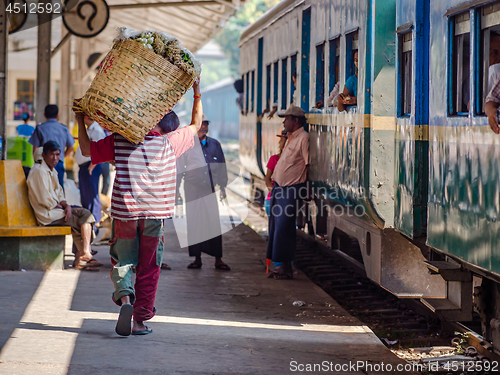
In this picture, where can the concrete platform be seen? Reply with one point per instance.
(208, 322)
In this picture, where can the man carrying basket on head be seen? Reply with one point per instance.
(143, 195)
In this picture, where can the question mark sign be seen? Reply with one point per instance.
(92, 16)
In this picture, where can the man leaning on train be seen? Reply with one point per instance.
(290, 176)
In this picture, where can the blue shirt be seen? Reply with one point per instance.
(51, 130)
(25, 130)
(352, 85)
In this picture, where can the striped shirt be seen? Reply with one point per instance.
(145, 181)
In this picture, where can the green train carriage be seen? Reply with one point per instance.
(411, 172)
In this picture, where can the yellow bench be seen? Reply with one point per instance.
(23, 243)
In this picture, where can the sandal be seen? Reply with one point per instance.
(223, 266)
(165, 266)
(91, 263)
(194, 266)
(283, 276)
(276, 271)
(87, 268)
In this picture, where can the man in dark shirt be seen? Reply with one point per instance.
(52, 130)
(199, 185)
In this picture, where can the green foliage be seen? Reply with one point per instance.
(461, 341)
(214, 71)
(228, 37)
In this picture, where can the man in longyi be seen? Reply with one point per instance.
(143, 195)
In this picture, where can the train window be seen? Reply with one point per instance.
(268, 86)
(293, 84)
(405, 73)
(489, 60)
(333, 67)
(284, 81)
(247, 92)
(459, 96)
(276, 68)
(348, 98)
(253, 90)
(320, 72)
(351, 41)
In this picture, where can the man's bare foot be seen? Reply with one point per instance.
(86, 257)
(140, 329)
(138, 326)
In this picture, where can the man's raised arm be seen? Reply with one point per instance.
(83, 137)
(197, 113)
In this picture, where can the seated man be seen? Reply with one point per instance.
(349, 96)
(47, 199)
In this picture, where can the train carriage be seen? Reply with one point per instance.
(411, 172)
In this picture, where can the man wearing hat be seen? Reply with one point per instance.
(290, 176)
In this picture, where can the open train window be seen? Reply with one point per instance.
(247, 93)
(488, 71)
(284, 81)
(333, 66)
(351, 47)
(458, 96)
(276, 68)
(268, 86)
(293, 83)
(253, 90)
(405, 73)
(320, 72)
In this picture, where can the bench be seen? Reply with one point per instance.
(23, 243)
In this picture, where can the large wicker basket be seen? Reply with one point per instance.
(133, 90)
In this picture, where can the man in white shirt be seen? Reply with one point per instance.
(89, 174)
(47, 199)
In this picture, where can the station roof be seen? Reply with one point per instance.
(193, 22)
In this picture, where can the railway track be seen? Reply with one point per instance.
(402, 323)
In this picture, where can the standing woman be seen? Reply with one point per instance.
(271, 164)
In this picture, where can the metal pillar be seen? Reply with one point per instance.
(4, 41)
(42, 97)
(65, 84)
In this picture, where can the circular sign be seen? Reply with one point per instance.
(86, 18)
(17, 19)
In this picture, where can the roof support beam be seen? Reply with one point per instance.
(63, 41)
(199, 16)
(188, 20)
(154, 25)
(220, 14)
(4, 40)
(169, 4)
(227, 3)
(42, 93)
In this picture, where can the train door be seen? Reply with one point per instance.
(412, 140)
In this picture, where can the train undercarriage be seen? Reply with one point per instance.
(454, 290)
